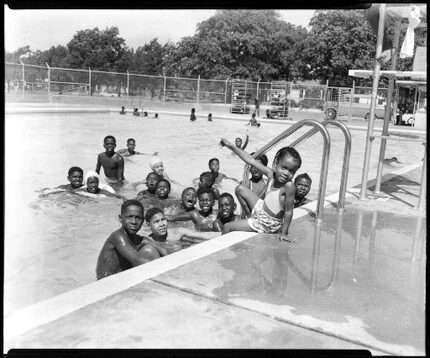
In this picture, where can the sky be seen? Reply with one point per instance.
(41, 29)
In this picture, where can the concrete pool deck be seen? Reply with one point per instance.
(354, 281)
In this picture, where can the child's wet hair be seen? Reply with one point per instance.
(302, 176)
(75, 169)
(130, 139)
(189, 188)
(151, 212)
(212, 160)
(201, 191)
(109, 137)
(262, 158)
(207, 175)
(290, 151)
(131, 202)
(162, 180)
(150, 174)
(226, 195)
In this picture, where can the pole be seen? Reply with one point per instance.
(23, 79)
(226, 90)
(164, 88)
(387, 113)
(376, 75)
(289, 97)
(422, 199)
(198, 89)
(128, 84)
(89, 81)
(49, 82)
(351, 95)
(258, 88)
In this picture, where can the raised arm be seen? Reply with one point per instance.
(246, 157)
(246, 141)
(290, 191)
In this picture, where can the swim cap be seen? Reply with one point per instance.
(154, 160)
(91, 173)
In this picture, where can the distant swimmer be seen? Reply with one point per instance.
(122, 110)
(193, 115)
(112, 162)
(124, 248)
(136, 112)
(253, 121)
(238, 142)
(391, 160)
(210, 117)
(129, 151)
(75, 177)
(92, 187)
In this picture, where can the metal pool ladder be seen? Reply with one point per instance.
(317, 127)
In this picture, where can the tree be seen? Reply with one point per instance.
(101, 50)
(339, 40)
(148, 59)
(253, 44)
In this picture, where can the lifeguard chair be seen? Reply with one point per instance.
(239, 97)
(278, 99)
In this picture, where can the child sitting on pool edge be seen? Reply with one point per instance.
(124, 248)
(303, 184)
(274, 213)
(204, 218)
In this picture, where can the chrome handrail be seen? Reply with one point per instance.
(346, 156)
(318, 127)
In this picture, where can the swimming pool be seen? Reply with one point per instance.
(51, 246)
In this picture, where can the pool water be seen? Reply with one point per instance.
(52, 244)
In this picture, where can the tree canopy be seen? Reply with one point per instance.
(248, 44)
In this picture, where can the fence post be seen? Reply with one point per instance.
(164, 89)
(89, 81)
(289, 97)
(351, 94)
(198, 89)
(23, 80)
(258, 88)
(49, 82)
(128, 84)
(226, 90)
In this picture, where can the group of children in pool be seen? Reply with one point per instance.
(267, 205)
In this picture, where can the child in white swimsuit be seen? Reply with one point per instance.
(274, 213)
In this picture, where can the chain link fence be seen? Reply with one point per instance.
(25, 82)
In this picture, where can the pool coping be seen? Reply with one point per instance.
(40, 313)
